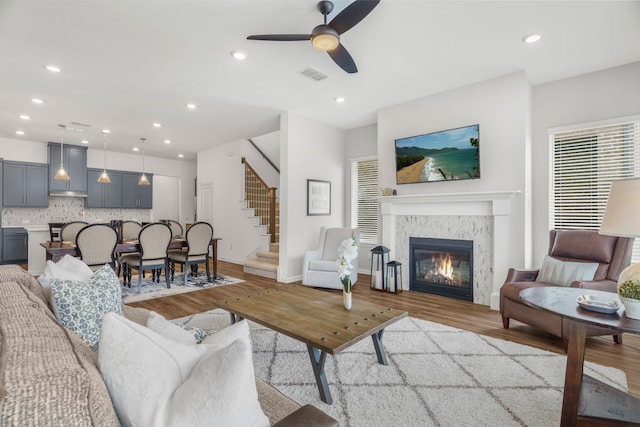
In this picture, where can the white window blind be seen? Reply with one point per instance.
(364, 199)
(583, 164)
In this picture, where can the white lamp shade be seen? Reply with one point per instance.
(622, 215)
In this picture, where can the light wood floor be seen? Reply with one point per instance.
(460, 314)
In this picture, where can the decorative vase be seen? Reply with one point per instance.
(631, 306)
(346, 299)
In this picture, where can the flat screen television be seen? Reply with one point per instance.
(452, 154)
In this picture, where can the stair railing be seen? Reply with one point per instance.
(261, 198)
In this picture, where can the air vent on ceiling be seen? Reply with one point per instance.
(313, 74)
(84, 125)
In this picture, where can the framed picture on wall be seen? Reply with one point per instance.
(318, 197)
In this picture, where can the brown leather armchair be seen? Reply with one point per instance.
(613, 254)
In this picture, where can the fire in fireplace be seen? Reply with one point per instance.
(441, 267)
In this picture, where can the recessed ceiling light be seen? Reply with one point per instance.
(191, 106)
(106, 131)
(340, 99)
(239, 55)
(37, 101)
(136, 149)
(531, 38)
(53, 68)
(19, 132)
(84, 141)
(181, 155)
(24, 117)
(157, 125)
(167, 141)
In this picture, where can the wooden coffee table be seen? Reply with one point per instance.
(317, 318)
(587, 401)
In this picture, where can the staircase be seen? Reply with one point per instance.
(260, 206)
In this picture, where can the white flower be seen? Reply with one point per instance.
(347, 252)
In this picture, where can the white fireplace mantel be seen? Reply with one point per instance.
(496, 204)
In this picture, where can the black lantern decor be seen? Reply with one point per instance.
(379, 258)
(394, 276)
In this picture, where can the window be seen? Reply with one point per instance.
(583, 164)
(364, 199)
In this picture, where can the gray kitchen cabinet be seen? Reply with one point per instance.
(25, 185)
(136, 196)
(15, 245)
(75, 163)
(101, 195)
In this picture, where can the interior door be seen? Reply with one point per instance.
(205, 197)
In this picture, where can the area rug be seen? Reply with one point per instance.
(152, 290)
(437, 376)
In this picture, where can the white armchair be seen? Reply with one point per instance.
(320, 268)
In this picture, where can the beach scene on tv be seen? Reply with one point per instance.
(439, 156)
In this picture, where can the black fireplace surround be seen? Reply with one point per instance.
(441, 267)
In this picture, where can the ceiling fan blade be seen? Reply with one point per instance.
(352, 14)
(344, 60)
(281, 37)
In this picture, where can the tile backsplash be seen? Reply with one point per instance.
(66, 209)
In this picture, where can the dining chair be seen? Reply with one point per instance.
(154, 240)
(70, 230)
(130, 230)
(198, 238)
(54, 231)
(176, 227)
(96, 243)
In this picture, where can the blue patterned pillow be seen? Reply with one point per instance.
(79, 306)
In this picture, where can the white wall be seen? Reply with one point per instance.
(602, 95)
(30, 151)
(308, 150)
(221, 166)
(501, 107)
(362, 142)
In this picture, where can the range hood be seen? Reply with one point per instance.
(67, 193)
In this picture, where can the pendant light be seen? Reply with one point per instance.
(62, 174)
(143, 178)
(104, 177)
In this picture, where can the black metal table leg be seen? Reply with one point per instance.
(317, 362)
(377, 344)
(235, 318)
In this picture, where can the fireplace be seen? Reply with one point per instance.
(441, 267)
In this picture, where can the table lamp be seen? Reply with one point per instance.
(622, 218)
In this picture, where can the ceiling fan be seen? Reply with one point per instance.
(327, 36)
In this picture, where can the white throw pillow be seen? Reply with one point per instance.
(154, 381)
(68, 268)
(562, 273)
(176, 332)
(80, 305)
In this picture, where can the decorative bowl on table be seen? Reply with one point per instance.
(598, 304)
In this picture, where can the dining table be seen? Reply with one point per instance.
(56, 250)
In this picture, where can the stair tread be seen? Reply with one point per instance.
(267, 254)
(257, 264)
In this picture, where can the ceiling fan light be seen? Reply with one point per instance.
(324, 38)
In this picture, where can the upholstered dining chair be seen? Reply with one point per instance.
(70, 230)
(199, 237)
(131, 230)
(54, 231)
(96, 243)
(154, 241)
(176, 228)
(319, 267)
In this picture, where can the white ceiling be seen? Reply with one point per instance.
(129, 63)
